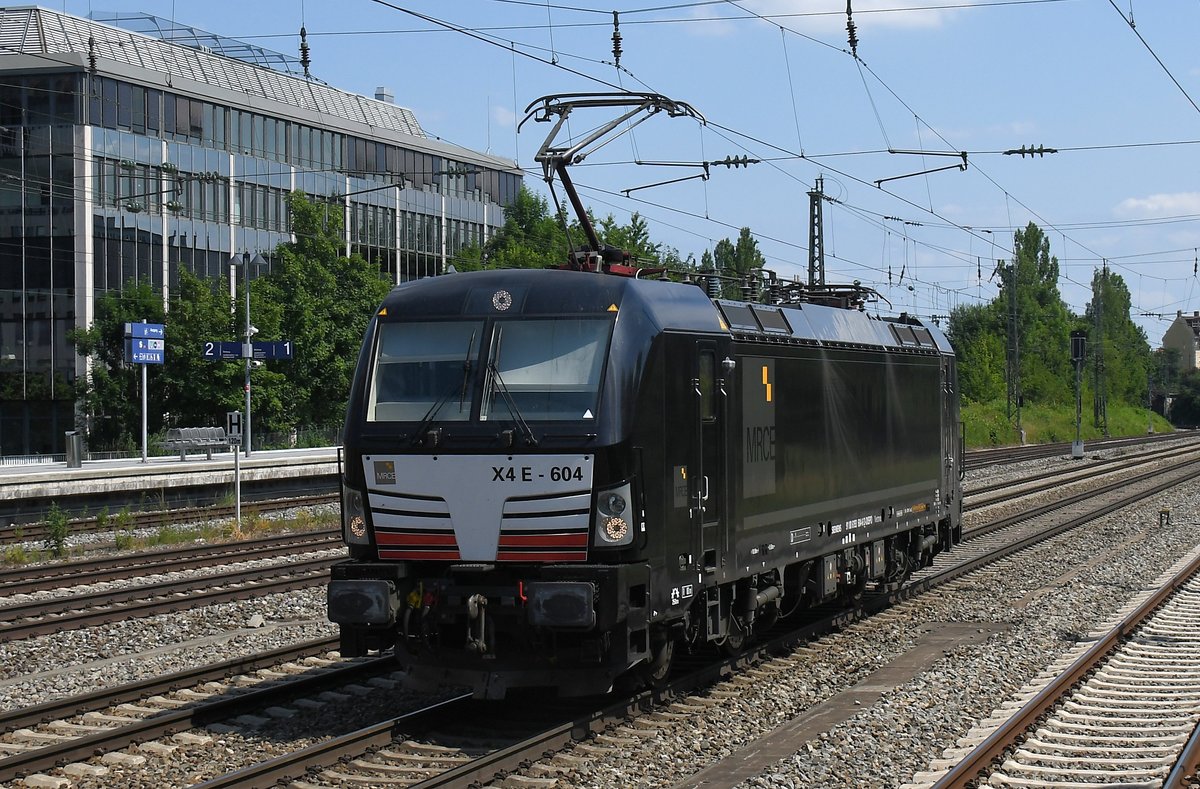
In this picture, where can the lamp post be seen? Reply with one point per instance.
(245, 261)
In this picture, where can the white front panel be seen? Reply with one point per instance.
(475, 490)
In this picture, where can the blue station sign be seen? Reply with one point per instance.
(142, 350)
(273, 350)
(145, 343)
(152, 331)
(218, 350)
(222, 350)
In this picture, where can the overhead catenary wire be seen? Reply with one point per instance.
(1050, 226)
(799, 157)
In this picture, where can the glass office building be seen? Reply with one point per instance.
(131, 147)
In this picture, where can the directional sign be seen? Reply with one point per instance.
(216, 350)
(145, 330)
(273, 350)
(140, 350)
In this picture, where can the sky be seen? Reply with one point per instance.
(1112, 85)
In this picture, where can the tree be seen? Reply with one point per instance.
(531, 236)
(1030, 313)
(196, 391)
(1030, 301)
(322, 301)
(1126, 351)
(634, 238)
(736, 261)
(977, 335)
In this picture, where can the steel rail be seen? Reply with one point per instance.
(22, 580)
(296, 575)
(981, 757)
(71, 706)
(1048, 480)
(1183, 774)
(329, 752)
(172, 721)
(36, 532)
(1075, 499)
(486, 768)
(980, 458)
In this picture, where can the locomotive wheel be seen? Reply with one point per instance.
(854, 593)
(657, 668)
(899, 569)
(736, 639)
(767, 619)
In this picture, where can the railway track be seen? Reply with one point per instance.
(41, 617)
(1187, 465)
(37, 532)
(1122, 713)
(984, 494)
(981, 458)
(429, 748)
(389, 749)
(155, 716)
(26, 579)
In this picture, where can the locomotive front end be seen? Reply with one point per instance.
(489, 501)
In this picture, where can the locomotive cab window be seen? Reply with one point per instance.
(545, 369)
(418, 366)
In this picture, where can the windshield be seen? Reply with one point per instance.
(534, 370)
(545, 369)
(418, 366)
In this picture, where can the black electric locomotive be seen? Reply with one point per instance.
(555, 478)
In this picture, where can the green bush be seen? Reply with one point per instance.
(57, 529)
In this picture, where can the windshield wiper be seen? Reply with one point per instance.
(431, 437)
(495, 381)
(494, 375)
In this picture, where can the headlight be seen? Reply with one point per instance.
(611, 524)
(354, 517)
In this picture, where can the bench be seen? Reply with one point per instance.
(194, 439)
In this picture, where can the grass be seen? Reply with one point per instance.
(986, 424)
(126, 540)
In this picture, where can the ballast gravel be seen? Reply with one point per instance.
(73, 662)
(1040, 617)
(1035, 606)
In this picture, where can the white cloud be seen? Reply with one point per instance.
(1159, 205)
(504, 117)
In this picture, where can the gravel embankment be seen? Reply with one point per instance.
(1101, 567)
(72, 662)
(882, 745)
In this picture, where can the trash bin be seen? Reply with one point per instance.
(74, 449)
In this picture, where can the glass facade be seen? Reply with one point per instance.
(105, 182)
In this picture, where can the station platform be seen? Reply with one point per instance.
(28, 490)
